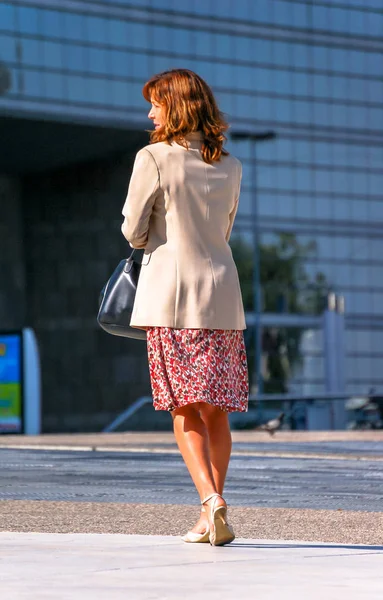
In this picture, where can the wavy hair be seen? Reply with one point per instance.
(189, 106)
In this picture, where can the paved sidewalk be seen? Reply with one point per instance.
(121, 567)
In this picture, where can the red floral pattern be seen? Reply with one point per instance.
(198, 365)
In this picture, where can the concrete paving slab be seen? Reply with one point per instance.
(133, 567)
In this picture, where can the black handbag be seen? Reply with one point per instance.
(117, 300)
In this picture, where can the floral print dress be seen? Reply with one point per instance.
(198, 365)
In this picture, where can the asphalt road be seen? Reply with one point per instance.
(352, 482)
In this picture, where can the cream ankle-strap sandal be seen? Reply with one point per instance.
(197, 538)
(221, 532)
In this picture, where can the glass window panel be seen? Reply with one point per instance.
(283, 54)
(223, 74)
(339, 115)
(183, 38)
(321, 85)
(203, 43)
(223, 45)
(281, 149)
(339, 59)
(117, 32)
(322, 114)
(242, 10)
(375, 212)
(320, 17)
(301, 55)
(32, 84)
(246, 76)
(138, 35)
(377, 309)
(161, 38)
(320, 57)
(261, 80)
(141, 66)
(225, 102)
(96, 29)
(54, 86)
(76, 58)
(354, 89)
(262, 10)
(245, 202)
(263, 108)
(52, 54)
(304, 207)
(322, 180)
(27, 19)
(97, 90)
(244, 105)
(358, 182)
(300, 11)
(160, 63)
(356, 62)
(302, 112)
(96, 60)
(360, 248)
(223, 8)
(286, 207)
(8, 48)
(300, 83)
(374, 63)
(323, 207)
(304, 179)
(282, 110)
(285, 180)
(266, 150)
(268, 205)
(360, 302)
(76, 86)
(321, 152)
(339, 87)
(74, 26)
(341, 209)
(121, 63)
(7, 16)
(242, 48)
(266, 177)
(262, 50)
(282, 13)
(120, 93)
(375, 183)
(356, 22)
(52, 23)
(206, 70)
(31, 52)
(282, 81)
(301, 150)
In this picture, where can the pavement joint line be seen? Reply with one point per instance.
(174, 451)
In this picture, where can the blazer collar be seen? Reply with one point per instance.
(193, 139)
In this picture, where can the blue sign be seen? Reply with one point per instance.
(11, 383)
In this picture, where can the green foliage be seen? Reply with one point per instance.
(286, 287)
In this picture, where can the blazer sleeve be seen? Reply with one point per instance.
(143, 187)
(235, 207)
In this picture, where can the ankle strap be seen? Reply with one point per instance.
(210, 497)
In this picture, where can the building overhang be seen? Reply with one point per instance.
(34, 145)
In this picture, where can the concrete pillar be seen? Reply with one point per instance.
(12, 269)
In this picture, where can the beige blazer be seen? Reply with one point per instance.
(181, 210)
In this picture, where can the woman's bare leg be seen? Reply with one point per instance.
(218, 428)
(193, 441)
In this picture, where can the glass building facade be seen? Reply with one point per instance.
(309, 71)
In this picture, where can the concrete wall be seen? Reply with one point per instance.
(72, 238)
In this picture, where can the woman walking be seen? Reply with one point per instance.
(181, 204)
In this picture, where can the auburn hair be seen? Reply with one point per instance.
(189, 106)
